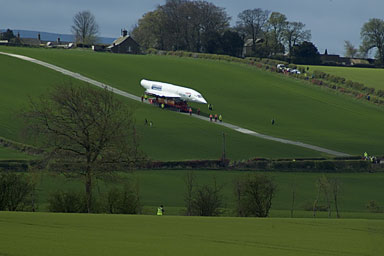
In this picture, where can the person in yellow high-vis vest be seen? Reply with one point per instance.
(160, 210)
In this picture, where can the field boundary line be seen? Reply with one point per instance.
(136, 98)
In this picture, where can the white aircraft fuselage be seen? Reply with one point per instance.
(166, 90)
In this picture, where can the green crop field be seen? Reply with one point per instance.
(370, 77)
(168, 188)
(172, 137)
(82, 234)
(244, 96)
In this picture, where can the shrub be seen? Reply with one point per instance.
(203, 200)
(373, 206)
(15, 192)
(207, 201)
(316, 81)
(254, 195)
(380, 93)
(122, 201)
(68, 202)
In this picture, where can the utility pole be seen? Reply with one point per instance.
(223, 155)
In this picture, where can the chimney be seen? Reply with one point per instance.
(18, 35)
(58, 40)
(38, 37)
(125, 32)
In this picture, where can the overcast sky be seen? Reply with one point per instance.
(330, 21)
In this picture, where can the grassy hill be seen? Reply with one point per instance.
(173, 136)
(243, 95)
(82, 234)
(370, 77)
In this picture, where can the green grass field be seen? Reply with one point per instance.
(82, 234)
(244, 96)
(168, 188)
(370, 77)
(173, 136)
(11, 154)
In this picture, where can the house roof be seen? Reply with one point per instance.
(119, 40)
(249, 42)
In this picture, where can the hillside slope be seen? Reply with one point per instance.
(243, 95)
(172, 136)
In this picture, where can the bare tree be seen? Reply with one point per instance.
(335, 185)
(254, 195)
(350, 50)
(85, 28)
(190, 183)
(251, 23)
(293, 198)
(205, 200)
(323, 190)
(85, 130)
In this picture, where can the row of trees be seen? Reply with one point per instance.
(200, 26)
(253, 194)
(277, 33)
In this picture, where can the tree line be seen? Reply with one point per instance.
(200, 26)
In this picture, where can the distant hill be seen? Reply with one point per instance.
(46, 36)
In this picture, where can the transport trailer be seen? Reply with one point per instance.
(175, 105)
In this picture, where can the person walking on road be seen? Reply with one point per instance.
(215, 117)
(220, 118)
(210, 117)
(190, 111)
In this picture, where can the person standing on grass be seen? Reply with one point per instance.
(190, 111)
(160, 210)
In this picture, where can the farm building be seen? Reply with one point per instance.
(125, 44)
(249, 47)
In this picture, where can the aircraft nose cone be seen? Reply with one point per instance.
(203, 101)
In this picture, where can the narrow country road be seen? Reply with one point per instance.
(133, 97)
